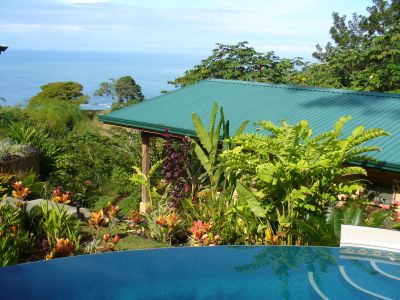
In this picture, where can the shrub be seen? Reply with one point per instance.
(15, 240)
(85, 164)
(54, 223)
(175, 168)
(297, 175)
(59, 116)
(119, 181)
(131, 202)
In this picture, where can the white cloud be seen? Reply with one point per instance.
(84, 1)
(30, 27)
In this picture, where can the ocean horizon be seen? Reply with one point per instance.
(22, 72)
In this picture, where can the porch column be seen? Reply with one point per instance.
(144, 204)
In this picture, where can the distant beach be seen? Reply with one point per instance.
(22, 72)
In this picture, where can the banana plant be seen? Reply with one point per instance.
(209, 143)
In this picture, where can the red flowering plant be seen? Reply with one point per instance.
(175, 168)
(62, 248)
(110, 242)
(20, 191)
(135, 217)
(164, 225)
(59, 196)
(201, 235)
(112, 212)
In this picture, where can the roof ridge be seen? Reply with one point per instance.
(306, 88)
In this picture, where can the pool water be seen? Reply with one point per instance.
(224, 272)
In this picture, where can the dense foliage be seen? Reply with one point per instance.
(283, 185)
(242, 62)
(60, 91)
(364, 55)
(288, 178)
(365, 52)
(175, 167)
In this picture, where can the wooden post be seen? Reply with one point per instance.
(144, 204)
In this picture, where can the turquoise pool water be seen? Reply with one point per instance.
(225, 272)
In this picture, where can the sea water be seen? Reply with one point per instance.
(22, 72)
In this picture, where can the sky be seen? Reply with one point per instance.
(289, 27)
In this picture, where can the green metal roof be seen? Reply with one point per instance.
(254, 101)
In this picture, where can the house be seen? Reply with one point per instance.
(255, 101)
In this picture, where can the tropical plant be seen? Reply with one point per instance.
(109, 242)
(60, 197)
(20, 191)
(52, 222)
(201, 235)
(15, 240)
(175, 169)
(98, 219)
(62, 248)
(298, 175)
(164, 225)
(141, 179)
(207, 148)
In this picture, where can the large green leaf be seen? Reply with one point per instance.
(266, 172)
(201, 132)
(251, 200)
(242, 127)
(203, 158)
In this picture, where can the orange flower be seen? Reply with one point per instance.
(97, 219)
(199, 229)
(161, 220)
(63, 247)
(60, 197)
(20, 191)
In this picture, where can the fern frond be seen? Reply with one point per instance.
(367, 135)
(360, 150)
(155, 167)
(352, 171)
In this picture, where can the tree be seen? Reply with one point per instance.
(124, 91)
(365, 53)
(60, 91)
(241, 62)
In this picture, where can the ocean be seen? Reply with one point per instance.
(22, 72)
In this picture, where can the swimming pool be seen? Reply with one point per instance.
(224, 272)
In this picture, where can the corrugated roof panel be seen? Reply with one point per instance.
(243, 100)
